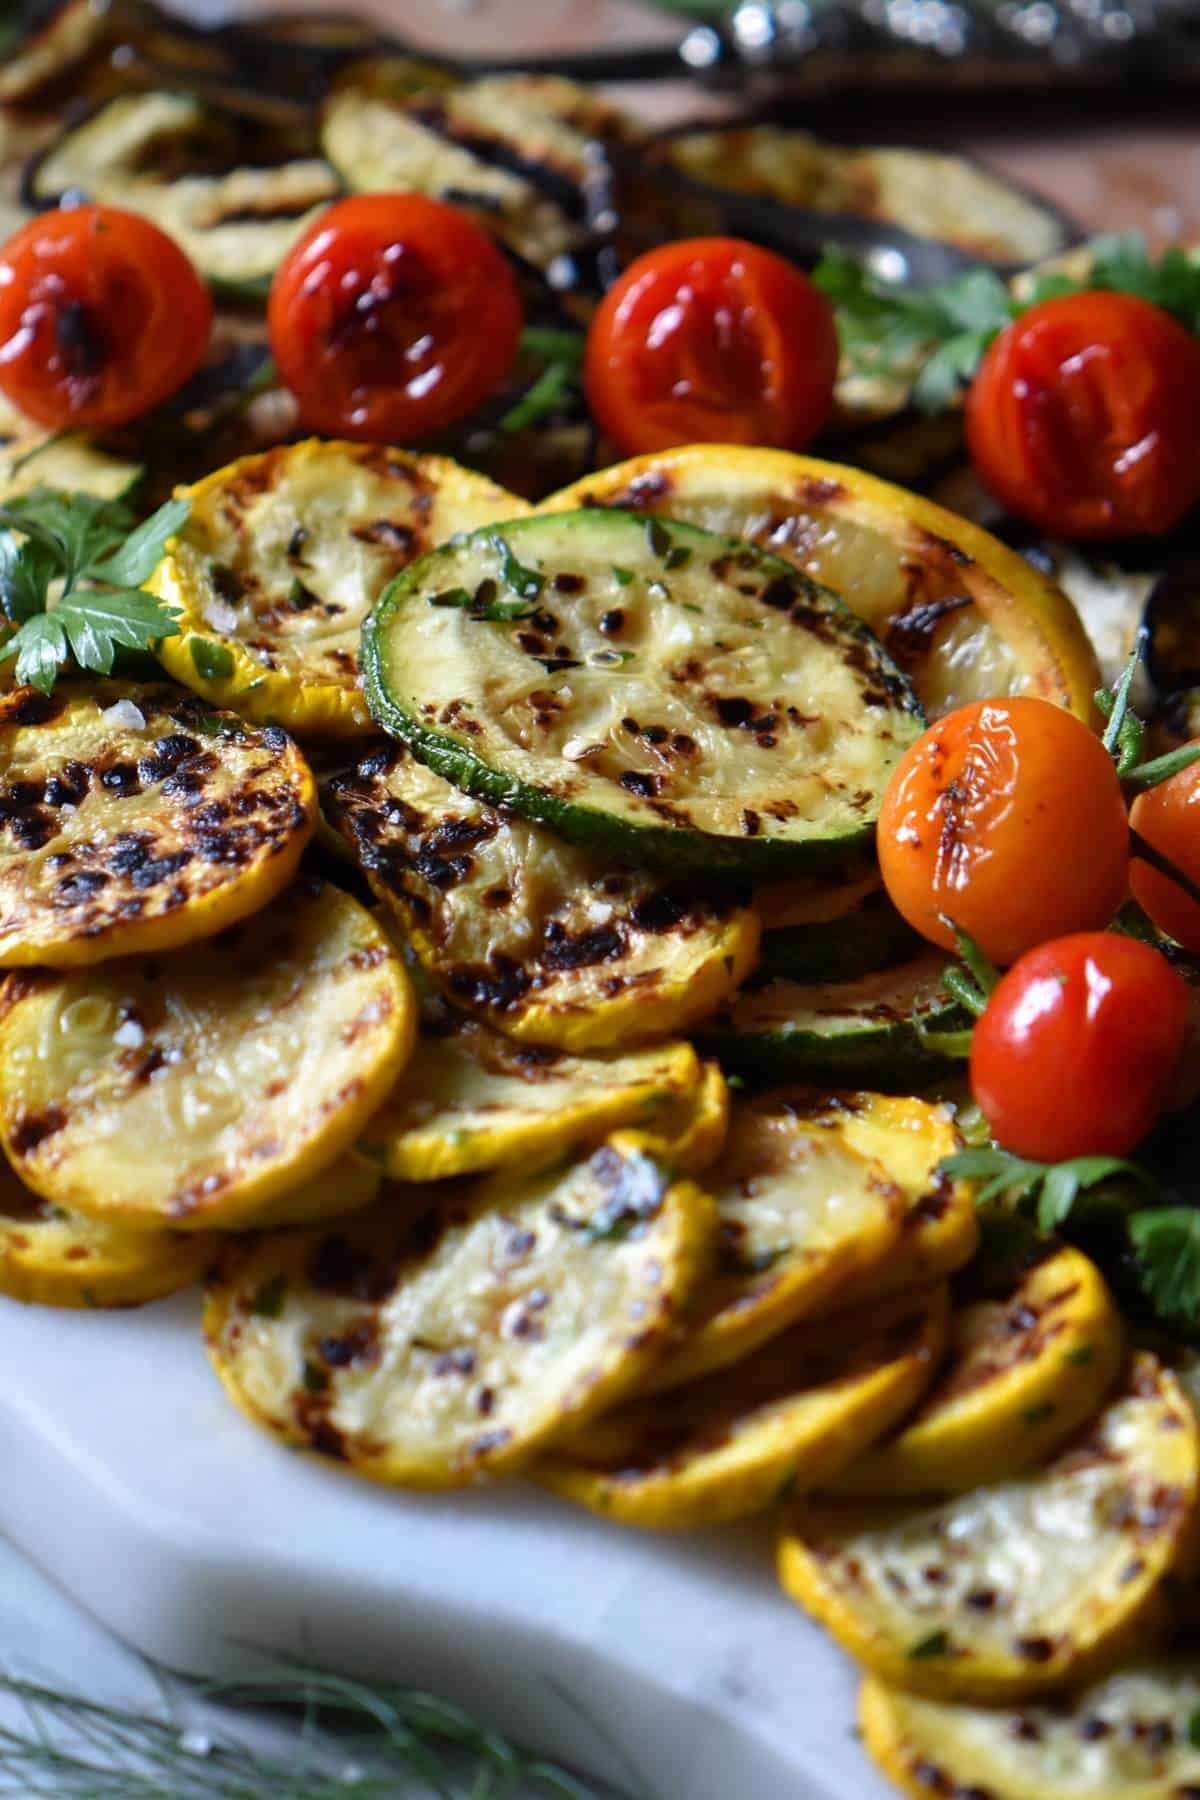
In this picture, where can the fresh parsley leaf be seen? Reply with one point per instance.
(936, 1644)
(485, 603)
(40, 647)
(1167, 1241)
(526, 582)
(27, 568)
(71, 566)
(268, 1302)
(1055, 1187)
(142, 550)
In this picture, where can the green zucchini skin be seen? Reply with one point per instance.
(859, 1031)
(598, 811)
(870, 936)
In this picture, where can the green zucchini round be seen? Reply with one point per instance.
(869, 936)
(655, 692)
(856, 1031)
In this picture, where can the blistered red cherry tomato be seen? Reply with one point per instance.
(1075, 1052)
(393, 317)
(1082, 417)
(1007, 818)
(102, 317)
(711, 340)
(1168, 817)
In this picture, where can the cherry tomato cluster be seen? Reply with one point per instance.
(1006, 820)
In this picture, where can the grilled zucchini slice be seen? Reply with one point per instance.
(282, 558)
(453, 1332)
(1026, 1371)
(870, 936)
(811, 1190)
(377, 144)
(786, 1419)
(473, 1100)
(544, 941)
(172, 157)
(1020, 1588)
(133, 818)
(649, 691)
(200, 1090)
(1131, 1736)
(781, 1030)
(49, 1257)
(964, 616)
(70, 463)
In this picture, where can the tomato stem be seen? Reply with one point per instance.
(1160, 769)
(1146, 852)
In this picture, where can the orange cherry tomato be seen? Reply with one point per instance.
(1082, 417)
(1168, 817)
(1007, 818)
(393, 317)
(102, 317)
(1075, 1051)
(711, 340)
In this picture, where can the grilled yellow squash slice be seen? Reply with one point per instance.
(136, 819)
(1022, 1587)
(1025, 1373)
(454, 1331)
(812, 1190)
(787, 1418)
(282, 558)
(200, 1090)
(1129, 1737)
(964, 616)
(349, 1185)
(544, 941)
(939, 1235)
(691, 1134)
(472, 1100)
(49, 1257)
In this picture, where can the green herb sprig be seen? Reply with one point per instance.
(354, 1740)
(71, 574)
(936, 337)
(556, 383)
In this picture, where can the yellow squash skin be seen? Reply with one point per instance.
(49, 1257)
(965, 616)
(1128, 1737)
(283, 556)
(813, 1191)
(544, 941)
(691, 1135)
(787, 1418)
(203, 1090)
(1025, 1372)
(1022, 1587)
(454, 1331)
(136, 819)
(472, 1100)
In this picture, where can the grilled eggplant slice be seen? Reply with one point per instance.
(455, 1331)
(929, 194)
(378, 144)
(202, 1089)
(650, 691)
(134, 818)
(811, 1190)
(180, 161)
(1131, 1736)
(72, 34)
(1026, 1371)
(281, 560)
(473, 1100)
(866, 1029)
(786, 1419)
(49, 1257)
(965, 617)
(551, 129)
(545, 942)
(1020, 1588)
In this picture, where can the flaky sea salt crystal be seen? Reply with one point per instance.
(129, 1035)
(125, 716)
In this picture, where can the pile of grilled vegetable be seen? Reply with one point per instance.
(474, 962)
